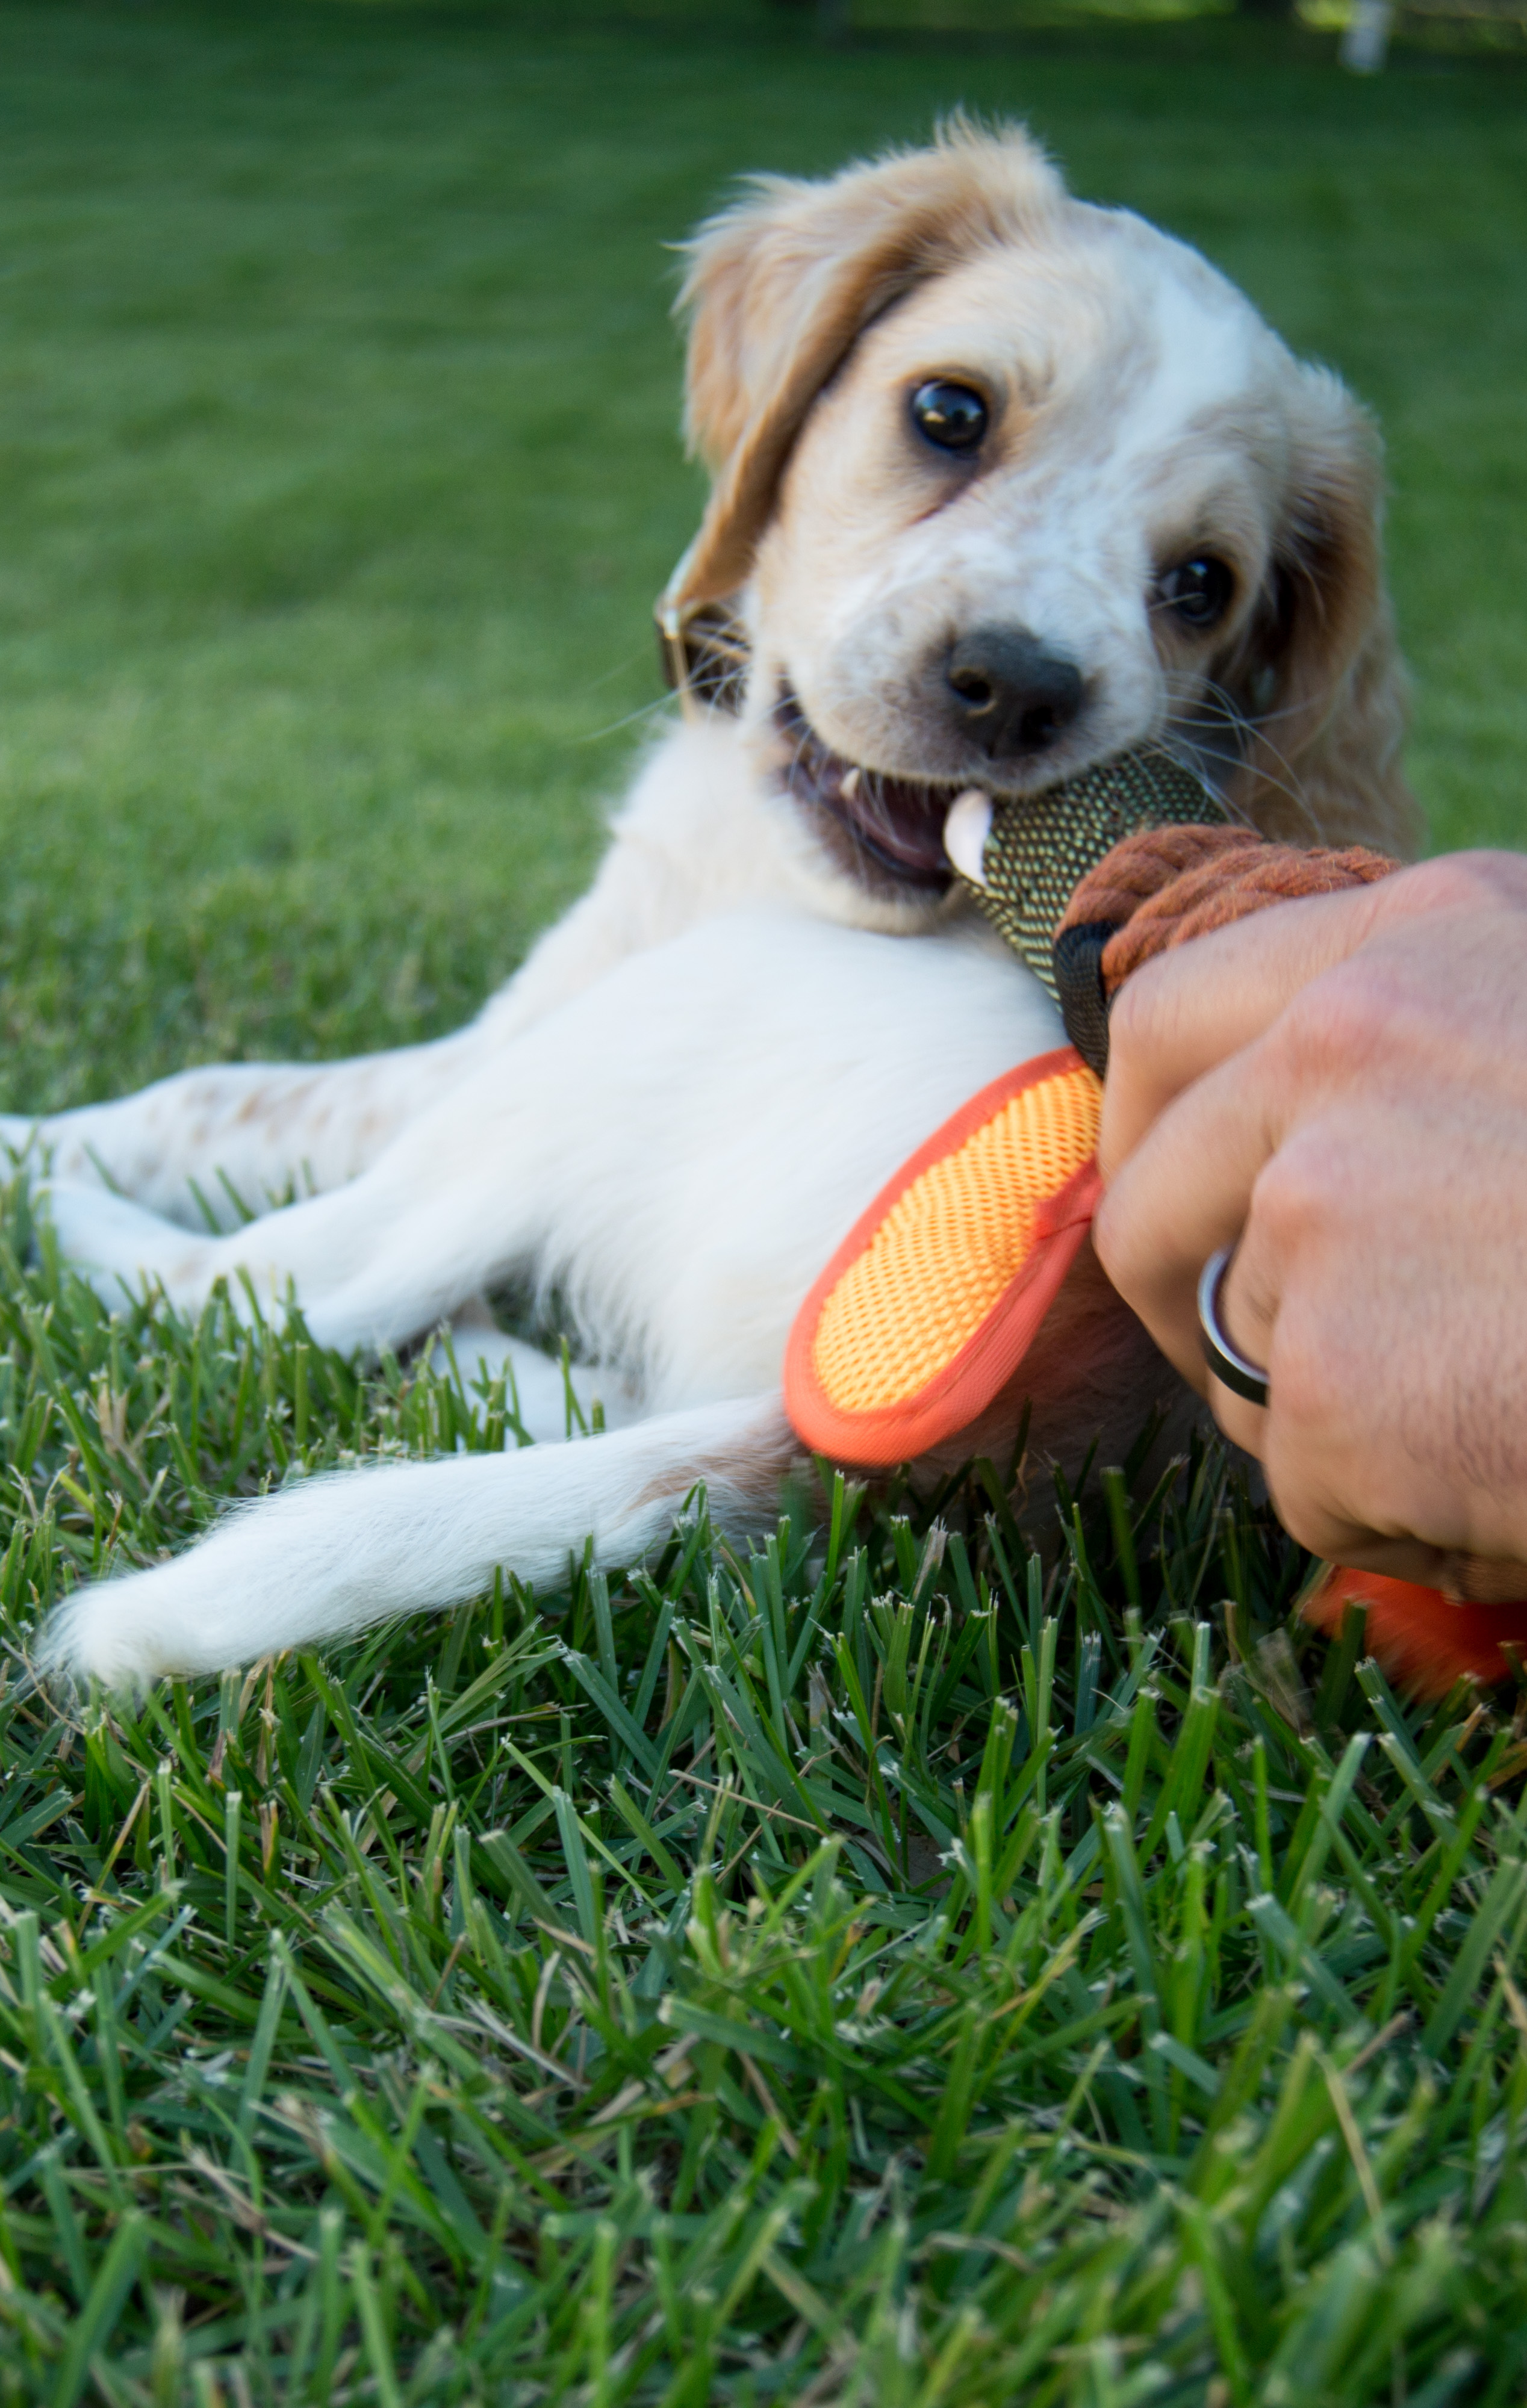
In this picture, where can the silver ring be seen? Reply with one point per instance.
(1228, 1364)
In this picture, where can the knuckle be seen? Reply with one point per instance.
(1304, 1515)
(1294, 1196)
(1328, 1459)
(1315, 1487)
(1301, 1393)
(1460, 882)
(1336, 1027)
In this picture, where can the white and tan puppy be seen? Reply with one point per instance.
(1003, 485)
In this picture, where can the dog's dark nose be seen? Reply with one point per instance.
(1012, 694)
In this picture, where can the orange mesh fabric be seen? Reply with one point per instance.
(949, 1245)
(927, 1308)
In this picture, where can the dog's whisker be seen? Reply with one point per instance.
(645, 710)
(1192, 752)
(1250, 732)
(1290, 786)
(1221, 695)
(1182, 756)
(1265, 718)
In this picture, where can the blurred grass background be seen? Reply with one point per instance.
(338, 467)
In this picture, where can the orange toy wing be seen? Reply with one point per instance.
(928, 1306)
(1422, 1639)
(933, 1299)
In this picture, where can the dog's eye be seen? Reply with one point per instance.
(1199, 591)
(952, 416)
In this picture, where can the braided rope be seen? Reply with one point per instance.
(1155, 893)
(1146, 863)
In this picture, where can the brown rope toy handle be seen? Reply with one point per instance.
(1163, 886)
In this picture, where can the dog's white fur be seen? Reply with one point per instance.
(706, 1071)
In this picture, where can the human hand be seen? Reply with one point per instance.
(1341, 1085)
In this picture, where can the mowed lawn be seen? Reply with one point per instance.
(338, 462)
(887, 1970)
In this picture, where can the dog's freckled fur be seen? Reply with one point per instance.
(706, 1071)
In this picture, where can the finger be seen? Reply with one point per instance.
(1370, 1551)
(1321, 1526)
(1197, 1004)
(1185, 1190)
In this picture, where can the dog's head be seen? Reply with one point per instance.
(1005, 484)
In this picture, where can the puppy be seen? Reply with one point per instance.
(1003, 484)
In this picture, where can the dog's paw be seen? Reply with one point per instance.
(307, 1563)
(119, 1247)
(178, 1617)
(122, 1634)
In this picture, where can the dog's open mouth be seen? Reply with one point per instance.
(897, 823)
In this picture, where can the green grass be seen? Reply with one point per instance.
(338, 468)
(881, 1970)
(861, 1973)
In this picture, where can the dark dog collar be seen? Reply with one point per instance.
(702, 648)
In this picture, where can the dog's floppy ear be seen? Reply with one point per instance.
(1318, 674)
(780, 284)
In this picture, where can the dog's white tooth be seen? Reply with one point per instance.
(965, 833)
(850, 786)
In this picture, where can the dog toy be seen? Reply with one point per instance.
(930, 1303)
(1023, 858)
(1426, 1639)
(926, 1309)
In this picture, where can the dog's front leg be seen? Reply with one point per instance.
(231, 1140)
(692, 840)
(462, 1199)
(371, 1265)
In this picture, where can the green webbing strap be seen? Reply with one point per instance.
(1041, 846)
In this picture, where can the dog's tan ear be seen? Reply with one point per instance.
(1319, 676)
(780, 285)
